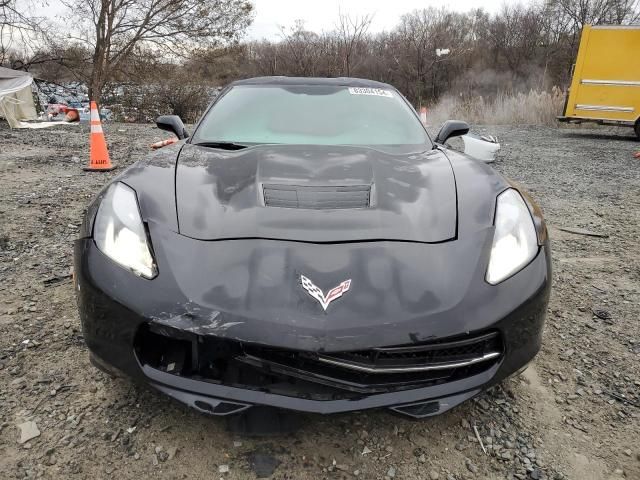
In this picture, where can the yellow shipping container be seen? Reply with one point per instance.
(605, 87)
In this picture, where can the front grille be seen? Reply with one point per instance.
(317, 197)
(316, 375)
(420, 357)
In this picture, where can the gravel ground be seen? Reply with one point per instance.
(573, 414)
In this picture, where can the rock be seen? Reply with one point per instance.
(366, 450)
(171, 452)
(465, 423)
(471, 466)
(433, 475)
(601, 313)
(422, 458)
(223, 469)
(19, 382)
(28, 431)
(391, 473)
(237, 443)
(627, 452)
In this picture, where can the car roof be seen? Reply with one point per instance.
(336, 81)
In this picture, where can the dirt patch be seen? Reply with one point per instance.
(565, 417)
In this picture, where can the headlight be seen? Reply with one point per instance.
(515, 241)
(119, 233)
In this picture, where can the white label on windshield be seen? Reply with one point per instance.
(377, 92)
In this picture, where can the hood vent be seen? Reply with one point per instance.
(317, 197)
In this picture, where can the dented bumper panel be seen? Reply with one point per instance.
(254, 336)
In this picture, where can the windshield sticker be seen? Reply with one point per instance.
(376, 92)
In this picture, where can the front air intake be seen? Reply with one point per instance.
(317, 197)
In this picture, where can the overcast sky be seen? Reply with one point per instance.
(322, 14)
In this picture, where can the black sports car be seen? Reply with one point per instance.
(310, 248)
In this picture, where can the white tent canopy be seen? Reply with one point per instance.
(16, 99)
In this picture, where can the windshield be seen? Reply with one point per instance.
(312, 115)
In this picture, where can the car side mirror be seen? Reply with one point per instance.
(451, 128)
(172, 123)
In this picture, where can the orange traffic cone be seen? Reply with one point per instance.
(99, 160)
(423, 115)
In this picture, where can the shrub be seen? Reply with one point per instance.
(532, 108)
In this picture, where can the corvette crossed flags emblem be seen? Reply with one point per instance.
(319, 295)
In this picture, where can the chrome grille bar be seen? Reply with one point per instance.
(412, 368)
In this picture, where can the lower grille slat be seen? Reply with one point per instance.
(409, 368)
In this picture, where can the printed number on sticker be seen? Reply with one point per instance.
(378, 92)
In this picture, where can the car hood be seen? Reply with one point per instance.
(315, 194)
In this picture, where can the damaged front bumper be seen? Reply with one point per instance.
(222, 400)
(215, 363)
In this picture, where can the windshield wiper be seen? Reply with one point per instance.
(222, 145)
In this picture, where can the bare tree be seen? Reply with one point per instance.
(20, 31)
(117, 28)
(351, 31)
(582, 12)
(515, 35)
(301, 45)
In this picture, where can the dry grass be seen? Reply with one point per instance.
(532, 108)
